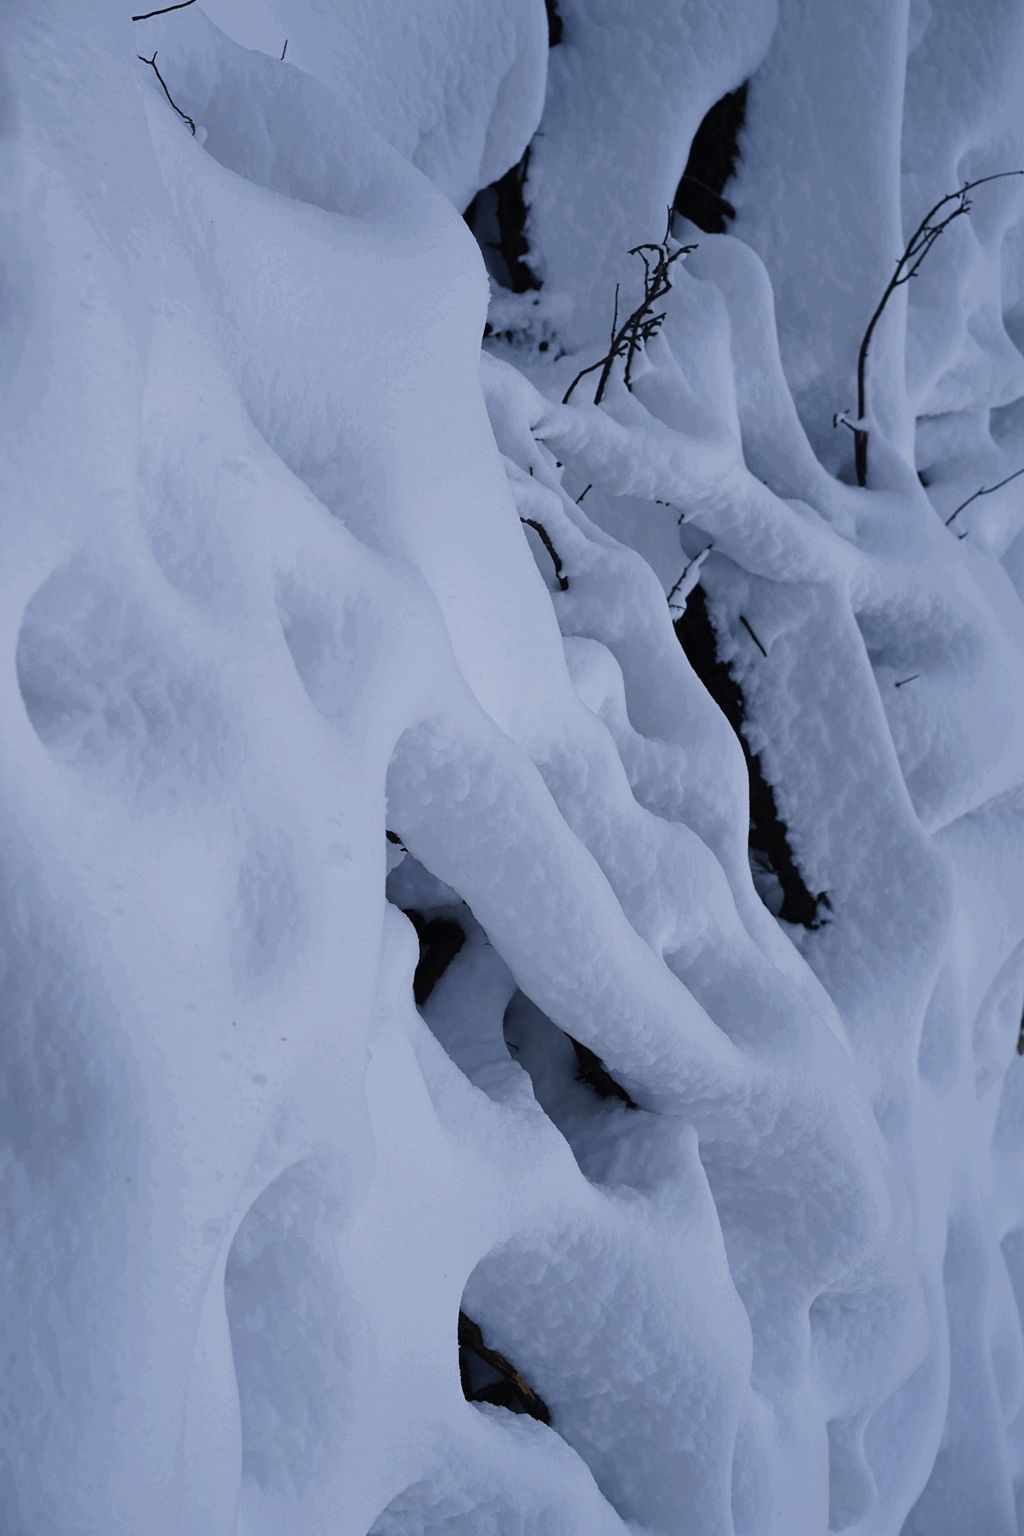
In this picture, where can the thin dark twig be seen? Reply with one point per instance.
(164, 11)
(674, 607)
(750, 631)
(284, 50)
(545, 538)
(908, 266)
(905, 680)
(642, 324)
(183, 115)
(984, 490)
(582, 493)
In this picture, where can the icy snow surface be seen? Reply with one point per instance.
(268, 597)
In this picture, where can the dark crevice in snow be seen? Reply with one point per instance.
(440, 941)
(712, 161)
(590, 1069)
(555, 27)
(488, 1377)
(497, 216)
(776, 874)
(559, 1066)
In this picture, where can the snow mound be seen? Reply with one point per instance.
(407, 773)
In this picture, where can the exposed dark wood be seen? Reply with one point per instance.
(511, 1390)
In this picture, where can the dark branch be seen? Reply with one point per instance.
(183, 115)
(164, 10)
(511, 1389)
(905, 680)
(908, 266)
(284, 50)
(678, 607)
(750, 631)
(984, 490)
(643, 323)
(545, 538)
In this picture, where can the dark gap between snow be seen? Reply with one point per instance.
(440, 941)
(712, 161)
(488, 1377)
(497, 217)
(771, 855)
(554, 23)
(590, 1069)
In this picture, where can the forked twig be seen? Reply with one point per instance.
(642, 324)
(153, 66)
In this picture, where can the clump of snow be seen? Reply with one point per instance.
(324, 627)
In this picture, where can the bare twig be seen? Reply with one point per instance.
(908, 266)
(687, 568)
(545, 538)
(750, 631)
(284, 50)
(183, 115)
(905, 680)
(586, 488)
(164, 10)
(984, 490)
(642, 324)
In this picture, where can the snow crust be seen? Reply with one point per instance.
(268, 595)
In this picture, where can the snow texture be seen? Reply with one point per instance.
(317, 614)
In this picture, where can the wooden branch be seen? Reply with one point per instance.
(545, 538)
(984, 490)
(643, 322)
(524, 1399)
(284, 50)
(164, 11)
(908, 266)
(153, 66)
(905, 680)
(677, 607)
(750, 631)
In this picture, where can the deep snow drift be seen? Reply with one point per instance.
(395, 925)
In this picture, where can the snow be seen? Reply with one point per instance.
(269, 595)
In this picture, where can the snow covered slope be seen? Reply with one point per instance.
(510, 904)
